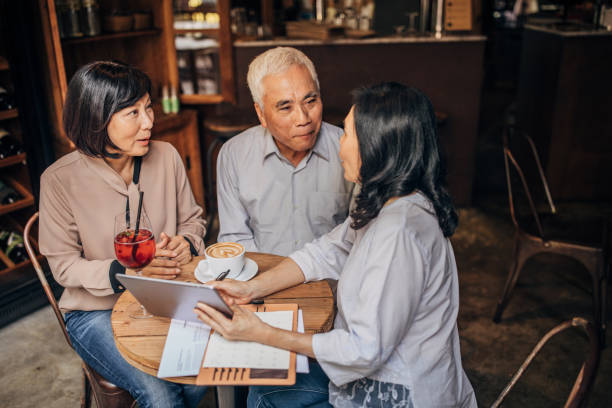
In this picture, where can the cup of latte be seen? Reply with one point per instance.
(223, 256)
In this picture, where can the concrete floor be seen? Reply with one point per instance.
(37, 368)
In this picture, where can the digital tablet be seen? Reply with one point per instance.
(171, 298)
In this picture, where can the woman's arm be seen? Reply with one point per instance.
(60, 243)
(190, 223)
(245, 325)
(284, 275)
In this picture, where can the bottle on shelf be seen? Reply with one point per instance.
(8, 195)
(9, 146)
(166, 108)
(90, 17)
(6, 100)
(174, 100)
(11, 243)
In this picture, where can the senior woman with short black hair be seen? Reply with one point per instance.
(108, 116)
(395, 340)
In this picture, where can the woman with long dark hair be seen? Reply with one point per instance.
(395, 340)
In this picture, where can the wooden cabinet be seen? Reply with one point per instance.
(563, 102)
(151, 50)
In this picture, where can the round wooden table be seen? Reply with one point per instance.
(141, 341)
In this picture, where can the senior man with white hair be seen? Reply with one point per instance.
(280, 184)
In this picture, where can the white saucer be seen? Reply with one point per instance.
(203, 275)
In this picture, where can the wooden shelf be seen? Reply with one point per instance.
(112, 36)
(11, 160)
(5, 260)
(9, 114)
(201, 99)
(205, 31)
(26, 201)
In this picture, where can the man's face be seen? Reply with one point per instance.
(292, 109)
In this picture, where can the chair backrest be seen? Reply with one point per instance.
(585, 377)
(41, 275)
(509, 134)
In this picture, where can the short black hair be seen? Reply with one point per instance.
(96, 92)
(400, 154)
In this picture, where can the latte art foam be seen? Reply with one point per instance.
(224, 250)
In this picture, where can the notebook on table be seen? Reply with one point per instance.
(249, 363)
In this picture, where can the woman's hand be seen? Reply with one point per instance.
(179, 245)
(163, 265)
(244, 325)
(234, 291)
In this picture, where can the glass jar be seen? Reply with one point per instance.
(68, 18)
(90, 17)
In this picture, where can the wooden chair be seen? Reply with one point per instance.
(585, 240)
(586, 376)
(105, 394)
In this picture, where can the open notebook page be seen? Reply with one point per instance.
(225, 353)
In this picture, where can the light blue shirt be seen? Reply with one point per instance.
(270, 206)
(398, 299)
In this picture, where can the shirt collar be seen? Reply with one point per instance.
(110, 177)
(320, 148)
(417, 198)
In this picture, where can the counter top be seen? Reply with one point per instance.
(283, 41)
(569, 30)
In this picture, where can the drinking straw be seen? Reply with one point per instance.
(138, 215)
(127, 213)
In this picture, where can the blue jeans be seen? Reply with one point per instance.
(92, 338)
(310, 390)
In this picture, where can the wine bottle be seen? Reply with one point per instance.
(15, 249)
(9, 146)
(8, 195)
(4, 236)
(6, 100)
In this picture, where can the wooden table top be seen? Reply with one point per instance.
(141, 341)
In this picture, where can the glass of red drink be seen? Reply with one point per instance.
(134, 249)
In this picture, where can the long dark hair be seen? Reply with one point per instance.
(398, 143)
(96, 92)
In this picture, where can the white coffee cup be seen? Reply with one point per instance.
(223, 256)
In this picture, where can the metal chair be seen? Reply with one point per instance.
(105, 393)
(585, 240)
(586, 376)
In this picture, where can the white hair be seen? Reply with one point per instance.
(275, 61)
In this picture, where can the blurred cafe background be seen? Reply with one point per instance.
(491, 68)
